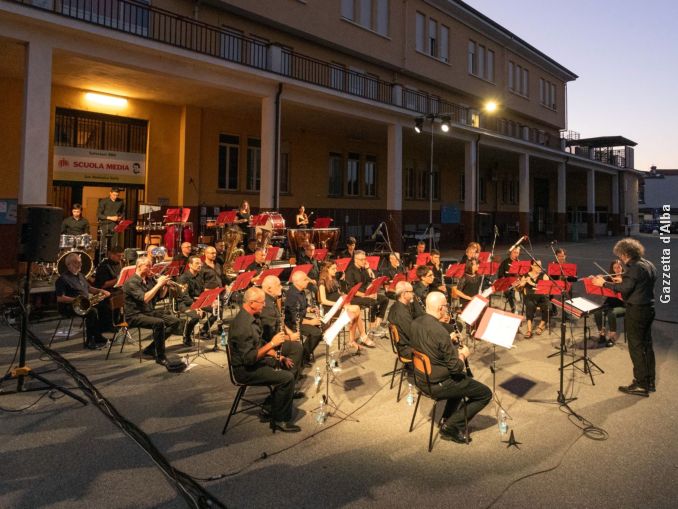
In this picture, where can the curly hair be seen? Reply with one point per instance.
(629, 247)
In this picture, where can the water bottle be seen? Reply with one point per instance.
(503, 423)
(410, 395)
(320, 416)
(318, 377)
(224, 339)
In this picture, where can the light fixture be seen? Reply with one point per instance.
(106, 100)
(491, 106)
(418, 124)
(445, 123)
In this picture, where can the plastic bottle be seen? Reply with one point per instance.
(320, 416)
(318, 377)
(224, 338)
(503, 423)
(410, 395)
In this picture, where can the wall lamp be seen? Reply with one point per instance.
(444, 120)
(106, 100)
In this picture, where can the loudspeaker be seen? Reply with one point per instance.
(40, 230)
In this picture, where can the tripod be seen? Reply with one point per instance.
(23, 370)
(327, 406)
(493, 369)
(588, 363)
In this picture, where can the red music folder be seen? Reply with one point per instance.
(569, 270)
(484, 256)
(301, 268)
(242, 281)
(375, 285)
(503, 284)
(205, 299)
(320, 254)
(322, 222)
(373, 262)
(122, 225)
(487, 268)
(272, 253)
(178, 215)
(551, 287)
(226, 217)
(351, 293)
(258, 220)
(242, 262)
(423, 258)
(265, 273)
(520, 267)
(412, 275)
(342, 263)
(592, 289)
(397, 279)
(455, 270)
(125, 274)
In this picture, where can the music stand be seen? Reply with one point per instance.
(423, 259)
(265, 273)
(585, 308)
(412, 275)
(305, 268)
(242, 262)
(484, 256)
(125, 274)
(551, 287)
(567, 271)
(375, 285)
(396, 279)
(488, 268)
(498, 328)
(226, 217)
(272, 253)
(205, 300)
(455, 270)
(321, 254)
(373, 262)
(342, 264)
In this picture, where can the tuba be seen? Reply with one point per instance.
(232, 237)
(81, 304)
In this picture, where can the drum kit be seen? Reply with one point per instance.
(82, 245)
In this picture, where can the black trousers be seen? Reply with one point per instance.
(162, 324)
(282, 380)
(377, 307)
(312, 336)
(639, 337)
(192, 320)
(92, 322)
(478, 394)
(534, 301)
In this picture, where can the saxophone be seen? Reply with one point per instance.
(81, 305)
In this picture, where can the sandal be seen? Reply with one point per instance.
(367, 342)
(540, 330)
(528, 334)
(355, 346)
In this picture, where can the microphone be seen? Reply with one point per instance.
(377, 231)
(496, 230)
(553, 242)
(520, 241)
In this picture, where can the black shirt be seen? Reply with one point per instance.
(504, 266)
(637, 284)
(244, 226)
(108, 207)
(314, 271)
(134, 289)
(430, 338)
(420, 293)
(258, 268)
(401, 316)
(71, 226)
(71, 285)
(211, 277)
(391, 272)
(469, 284)
(244, 339)
(270, 319)
(295, 307)
(194, 288)
(437, 276)
(179, 257)
(106, 270)
(354, 275)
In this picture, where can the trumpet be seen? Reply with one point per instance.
(177, 288)
(81, 305)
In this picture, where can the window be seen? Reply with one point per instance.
(228, 162)
(335, 177)
(356, 81)
(431, 37)
(409, 183)
(480, 61)
(352, 171)
(518, 79)
(547, 93)
(370, 177)
(422, 184)
(284, 173)
(371, 14)
(509, 192)
(253, 164)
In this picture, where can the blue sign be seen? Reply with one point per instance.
(449, 214)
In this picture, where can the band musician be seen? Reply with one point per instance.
(141, 294)
(401, 315)
(253, 360)
(359, 271)
(211, 272)
(105, 277)
(296, 309)
(72, 285)
(191, 279)
(448, 375)
(76, 224)
(109, 213)
(503, 271)
(301, 218)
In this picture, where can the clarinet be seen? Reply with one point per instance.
(282, 330)
(456, 342)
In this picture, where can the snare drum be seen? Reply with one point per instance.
(83, 241)
(66, 241)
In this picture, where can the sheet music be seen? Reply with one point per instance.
(583, 304)
(487, 292)
(473, 309)
(334, 330)
(333, 310)
(501, 329)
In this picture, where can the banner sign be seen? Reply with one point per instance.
(104, 166)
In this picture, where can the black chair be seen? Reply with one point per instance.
(404, 361)
(120, 326)
(70, 318)
(240, 395)
(422, 367)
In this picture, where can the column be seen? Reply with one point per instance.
(268, 147)
(615, 218)
(394, 185)
(189, 158)
(33, 178)
(591, 202)
(524, 198)
(561, 206)
(470, 190)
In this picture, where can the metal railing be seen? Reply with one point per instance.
(152, 23)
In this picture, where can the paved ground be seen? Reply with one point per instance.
(61, 454)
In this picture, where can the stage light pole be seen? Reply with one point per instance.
(489, 107)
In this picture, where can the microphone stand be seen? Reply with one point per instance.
(494, 242)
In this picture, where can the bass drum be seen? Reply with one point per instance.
(327, 238)
(297, 238)
(87, 266)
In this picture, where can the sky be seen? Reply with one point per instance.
(625, 53)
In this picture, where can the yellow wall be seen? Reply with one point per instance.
(11, 101)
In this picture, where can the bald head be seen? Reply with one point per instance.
(299, 279)
(271, 286)
(434, 302)
(252, 294)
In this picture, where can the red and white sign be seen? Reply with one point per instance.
(90, 165)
